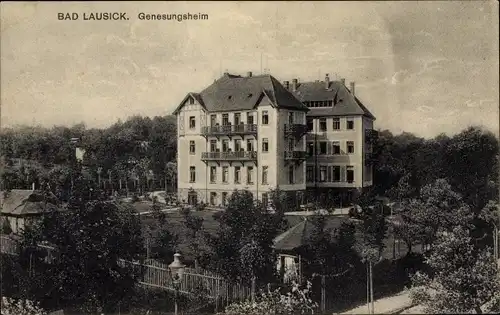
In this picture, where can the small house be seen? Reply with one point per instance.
(20, 207)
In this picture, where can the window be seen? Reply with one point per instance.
(250, 175)
(322, 147)
(350, 174)
(335, 147)
(291, 144)
(225, 119)
(249, 145)
(213, 174)
(350, 147)
(336, 173)
(213, 145)
(213, 198)
(191, 101)
(336, 123)
(264, 175)
(250, 118)
(192, 174)
(237, 118)
(322, 124)
(225, 145)
(237, 145)
(322, 173)
(310, 148)
(350, 124)
(225, 174)
(310, 174)
(237, 179)
(265, 117)
(192, 122)
(213, 120)
(291, 179)
(290, 118)
(192, 147)
(265, 145)
(310, 124)
(224, 198)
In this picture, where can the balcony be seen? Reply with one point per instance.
(241, 156)
(295, 156)
(296, 131)
(229, 130)
(369, 159)
(371, 136)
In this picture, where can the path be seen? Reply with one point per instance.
(386, 305)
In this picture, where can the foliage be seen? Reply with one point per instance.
(460, 283)
(438, 208)
(242, 247)
(297, 301)
(194, 225)
(20, 307)
(89, 236)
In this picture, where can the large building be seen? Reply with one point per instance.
(339, 140)
(240, 133)
(255, 133)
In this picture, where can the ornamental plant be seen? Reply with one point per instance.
(20, 307)
(273, 302)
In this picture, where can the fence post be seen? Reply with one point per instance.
(253, 289)
(323, 293)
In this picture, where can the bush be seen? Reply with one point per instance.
(217, 215)
(297, 301)
(135, 198)
(201, 206)
(20, 307)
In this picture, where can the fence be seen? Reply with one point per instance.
(157, 275)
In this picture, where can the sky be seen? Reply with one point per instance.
(420, 67)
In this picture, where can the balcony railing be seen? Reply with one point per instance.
(295, 130)
(371, 135)
(229, 130)
(369, 159)
(295, 155)
(229, 156)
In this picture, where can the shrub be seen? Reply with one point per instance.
(20, 307)
(297, 301)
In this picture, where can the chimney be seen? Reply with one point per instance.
(352, 88)
(249, 74)
(327, 81)
(286, 84)
(294, 85)
(343, 81)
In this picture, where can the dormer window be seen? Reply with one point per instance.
(250, 95)
(229, 97)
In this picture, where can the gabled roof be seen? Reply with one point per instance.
(345, 103)
(232, 92)
(299, 234)
(19, 202)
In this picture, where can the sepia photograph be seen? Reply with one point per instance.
(249, 157)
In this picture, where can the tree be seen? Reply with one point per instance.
(95, 242)
(245, 228)
(194, 225)
(438, 208)
(463, 283)
(20, 307)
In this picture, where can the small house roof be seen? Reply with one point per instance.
(299, 234)
(19, 202)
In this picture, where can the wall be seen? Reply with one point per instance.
(342, 135)
(368, 148)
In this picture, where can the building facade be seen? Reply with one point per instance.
(241, 132)
(339, 140)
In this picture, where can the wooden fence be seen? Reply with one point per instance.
(157, 275)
